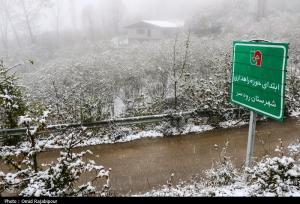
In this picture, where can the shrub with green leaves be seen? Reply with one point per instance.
(11, 99)
(275, 174)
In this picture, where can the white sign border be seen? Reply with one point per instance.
(282, 81)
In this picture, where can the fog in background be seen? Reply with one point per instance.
(76, 14)
(27, 21)
(64, 54)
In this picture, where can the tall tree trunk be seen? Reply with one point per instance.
(57, 21)
(91, 29)
(12, 26)
(27, 22)
(174, 71)
(72, 4)
(175, 95)
(4, 38)
(32, 141)
(57, 98)
(261, 9)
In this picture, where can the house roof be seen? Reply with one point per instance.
(161, 24)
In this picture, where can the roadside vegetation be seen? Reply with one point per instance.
(271, 176)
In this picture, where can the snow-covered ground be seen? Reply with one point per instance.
(238, 189)
(232, 123)
(295, 114)
(157, 132)
(136, 135)
(270, 177)
(105, 139)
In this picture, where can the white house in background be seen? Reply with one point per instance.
(146, 30)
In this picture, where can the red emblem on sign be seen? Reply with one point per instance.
(257, 57)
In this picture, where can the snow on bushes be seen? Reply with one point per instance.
(11, 98)
(60, 178)
(275, 175)
(272, 176)
(294, 149)
(223, 172)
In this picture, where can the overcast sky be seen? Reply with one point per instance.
(133, 9)
(97, 16)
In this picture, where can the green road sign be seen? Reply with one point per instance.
(258, 77)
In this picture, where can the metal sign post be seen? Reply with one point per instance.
(258, 81)
(251, 137)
